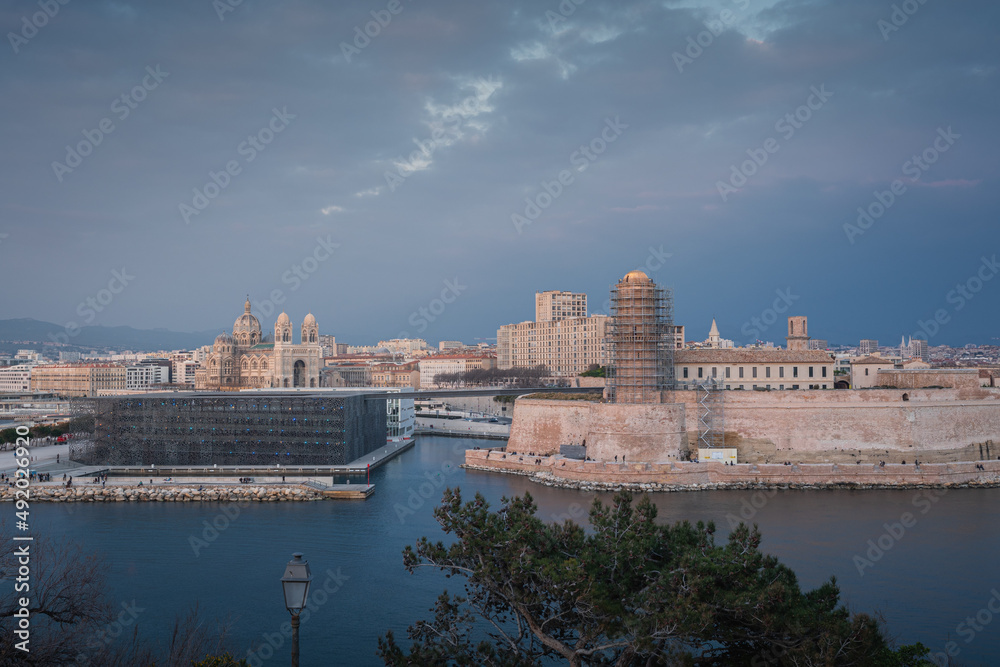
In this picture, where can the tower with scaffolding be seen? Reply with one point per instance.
(640, 340)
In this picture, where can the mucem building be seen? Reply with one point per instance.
(259, 428)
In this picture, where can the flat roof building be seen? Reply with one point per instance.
(243, 428)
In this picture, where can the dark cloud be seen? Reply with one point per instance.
(501, 95)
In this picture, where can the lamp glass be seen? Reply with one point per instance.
(295, 583)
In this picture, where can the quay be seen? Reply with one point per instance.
(203, 482)
(689, 476)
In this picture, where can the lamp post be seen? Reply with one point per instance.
(295, 584)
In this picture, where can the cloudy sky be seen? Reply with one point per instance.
(423, 167)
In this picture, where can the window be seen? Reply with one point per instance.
(741, 374)
(701, 372)
(811, 371)
(754, 369)
(685, 372)
(781, 387)
(781, 371)
(727, 372)
(795, 371)
(866, 371)
(767, 372)
(824, 375)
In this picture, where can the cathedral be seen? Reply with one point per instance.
(244, 360)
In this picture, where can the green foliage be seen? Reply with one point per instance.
(595, 372)
(627, 592)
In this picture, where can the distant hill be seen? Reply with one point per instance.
(38, 335)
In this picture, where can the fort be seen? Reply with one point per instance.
(805, 426)
(664, 410)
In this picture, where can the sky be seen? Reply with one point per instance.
(420, 168)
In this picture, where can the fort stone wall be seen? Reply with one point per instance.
(803, 425)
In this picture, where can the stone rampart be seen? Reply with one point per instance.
(803, 425)
(637, 432)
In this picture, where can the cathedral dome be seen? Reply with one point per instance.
(310, 320)
(283, 319)
(246, 323)
(223, 339)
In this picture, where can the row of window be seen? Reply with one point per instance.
(753, 369)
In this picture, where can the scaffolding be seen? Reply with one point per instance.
(711, 414)
(640, 340)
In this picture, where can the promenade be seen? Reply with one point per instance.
(682, 476)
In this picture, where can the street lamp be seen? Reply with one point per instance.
(295, 585)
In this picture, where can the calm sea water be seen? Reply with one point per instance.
(933, 576)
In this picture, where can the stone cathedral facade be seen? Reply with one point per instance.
(243, 360)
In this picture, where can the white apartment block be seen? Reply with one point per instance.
(184, 371)
(15, 378)
(404, 345)
(140, 378)
(430, 367)
(566, 346)
(552, 306)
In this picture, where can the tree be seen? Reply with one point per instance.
(626, 592)
(595, 371)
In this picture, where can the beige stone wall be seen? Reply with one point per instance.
(540, 426)
(919, 378)
(638, 432)
(819, 422)
(831, 425)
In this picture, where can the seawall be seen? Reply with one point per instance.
(683, 476)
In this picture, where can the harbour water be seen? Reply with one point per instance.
(927, 575)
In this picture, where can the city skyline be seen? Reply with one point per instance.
(474, 155)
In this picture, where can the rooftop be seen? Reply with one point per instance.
(745, 356)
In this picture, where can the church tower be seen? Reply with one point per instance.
(713, 336)
(283, 330)
(798, 333)
(310, 330)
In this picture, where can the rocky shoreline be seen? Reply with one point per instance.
(166, 494)
(548, 479)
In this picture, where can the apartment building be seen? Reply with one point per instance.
(78, 379)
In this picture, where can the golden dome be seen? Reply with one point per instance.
(635, 277)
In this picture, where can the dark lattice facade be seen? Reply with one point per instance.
(234, 429)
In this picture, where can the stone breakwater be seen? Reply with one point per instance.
(685, 476)
(165, 494)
